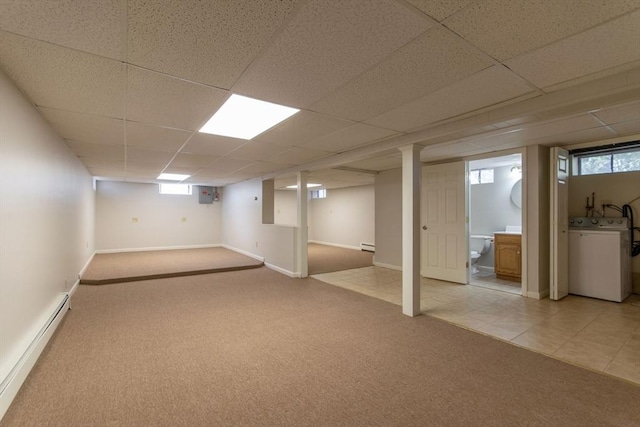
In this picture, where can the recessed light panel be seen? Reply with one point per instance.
(244, 118)
(308, 185)
(173, 177)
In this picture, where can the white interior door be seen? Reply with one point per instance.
(559, 280)
(444, 244)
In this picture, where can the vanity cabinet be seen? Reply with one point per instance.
(508, 256)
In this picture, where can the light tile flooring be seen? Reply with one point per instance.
(599, 335)
(490, 281)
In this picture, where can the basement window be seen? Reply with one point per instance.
(481, 176)
(609, 159)
(319, 194)
(176, 189)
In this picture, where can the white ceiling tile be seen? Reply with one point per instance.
(136, 175)
(182, 170)
(84, 127)
(627, 128)
(224, 166)
(617, 71)
(507, 28)
(257, 150)
(207, 42)
(607, 46)
(432, 61)
(491, 86)
(204, 143)
(89, 25)
(209, 181)
(456, 149)
(145, 168)
(378, 164)
(62, 78)
(259, 168)
(162, 100)
(528, 134)
(101, 163)
(620, 114)
(349, 137)
(193, 160)
(440, 9)
(107, 173)
(143, 155)
(111, 153)
(581, 136)
(155, 137)
(298, 155)
(303, 127)
(324, 47)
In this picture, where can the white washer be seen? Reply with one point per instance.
(599, 259)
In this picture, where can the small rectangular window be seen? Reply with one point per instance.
(481, 176)
(319, 194)
(607, 160)
(176, 189)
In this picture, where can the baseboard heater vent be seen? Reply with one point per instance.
(16, 377)
(368, 247)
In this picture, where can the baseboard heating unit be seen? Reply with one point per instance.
(368, 247)
(16, 377)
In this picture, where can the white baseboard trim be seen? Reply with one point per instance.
(282, 270)
(337, 245)
(243, 252)
(538, 295)
(16, 377)
(389, 266)
(159, 248)
(74, 288)
(86, 265)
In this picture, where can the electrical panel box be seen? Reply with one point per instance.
(205, 195)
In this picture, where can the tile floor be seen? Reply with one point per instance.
(599, 335)
(490, 281)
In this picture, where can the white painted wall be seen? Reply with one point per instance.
(242, 228)
(619, 189)
(388, 218)
(491, 209)
(46, 222)
(159, 217)
(286, 207)
(346, 217)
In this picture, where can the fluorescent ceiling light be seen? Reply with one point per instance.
(245, 118)
(308, 185)
(173, 176)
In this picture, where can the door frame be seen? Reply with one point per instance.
(524, 210)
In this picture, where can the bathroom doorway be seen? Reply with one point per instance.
(495, 223)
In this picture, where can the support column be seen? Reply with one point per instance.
(302, 224)
(411, 180)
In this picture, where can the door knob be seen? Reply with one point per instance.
(424, 227)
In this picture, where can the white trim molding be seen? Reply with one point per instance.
(282, 270)
(15, 378)
(160, 248)
(243, 252)
(337, 245)
(389, 266)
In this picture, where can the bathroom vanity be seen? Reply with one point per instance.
(508, 258)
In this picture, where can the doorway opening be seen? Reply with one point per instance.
(495, 223)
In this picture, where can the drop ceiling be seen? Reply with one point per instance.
(128, 84)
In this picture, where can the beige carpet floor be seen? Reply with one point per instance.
(145, 265)
(326, 259)
(256, 348)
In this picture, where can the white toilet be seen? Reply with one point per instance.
(480, 245)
